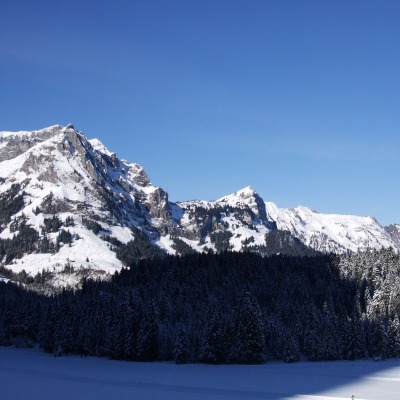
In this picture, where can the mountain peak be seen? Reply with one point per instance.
(242, 194)
(246, 191)
(246, 197)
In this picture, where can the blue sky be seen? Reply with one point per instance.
(299, 99)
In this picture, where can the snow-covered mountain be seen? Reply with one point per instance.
(67, 199)
(330, 232)
(232, 222)
(58, 172)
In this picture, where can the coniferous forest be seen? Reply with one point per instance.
(219, 308)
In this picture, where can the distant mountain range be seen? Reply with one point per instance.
(67, 199)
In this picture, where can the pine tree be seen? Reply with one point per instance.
(7, 326)
(250, 339)
(311, 344)
(291, 352)
(393, 333)
(379, 341)
(330, 338)
(212, 349)
(110, 339)
(119, 344)
(181, 353)
(354, 340)
(47, 330)
(131, 338)
(84, 337)
(148, 335)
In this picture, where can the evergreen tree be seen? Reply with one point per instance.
(250, 339)
(148, 343)
(379, 341)
(354, 340)
(291, 352)
(212, 349)
(393, 334)
(311, 344)
(181, 353)
(110, 338)
(47, 328)
(7, 326)
(330, 343)
(131, 338)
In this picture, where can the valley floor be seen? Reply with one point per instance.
(30, 374)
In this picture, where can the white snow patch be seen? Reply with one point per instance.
(88, 251)
(99, 146)
(166, 243)
(122, 233)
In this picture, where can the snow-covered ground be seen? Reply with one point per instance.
(30, 374)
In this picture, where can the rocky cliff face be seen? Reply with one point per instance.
(394, 233)
(230, 223)
(58, 174)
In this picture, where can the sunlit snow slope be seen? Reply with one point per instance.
(330, 232)
(55, 179)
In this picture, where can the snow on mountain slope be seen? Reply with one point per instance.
(246, 198)
(65, 199)
(233, 222)
(57, 171)
(330, 232)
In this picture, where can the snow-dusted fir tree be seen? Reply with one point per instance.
(291, 352)
(354, 340)
(131, 337)
(393, 337)
(46, 329)
(181, 353)
(379, 341)
(311, 335)
(212, 348)
(250, 338)
(147, 342)
(330, 338)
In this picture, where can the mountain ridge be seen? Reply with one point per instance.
(58, 173)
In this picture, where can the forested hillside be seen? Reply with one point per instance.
(219, 308)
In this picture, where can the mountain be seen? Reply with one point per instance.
(68, 201)
(331, 233)
(232, 222)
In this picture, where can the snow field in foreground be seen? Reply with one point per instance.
(30, 374)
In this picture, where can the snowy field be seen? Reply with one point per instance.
(29, 374)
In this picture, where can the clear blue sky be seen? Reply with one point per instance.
(299, 99)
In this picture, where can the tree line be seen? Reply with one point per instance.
(219, 308)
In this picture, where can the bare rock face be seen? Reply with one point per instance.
(159, 204)
(14, 144)
(138, 175)
(394, 231)
(153, 198)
